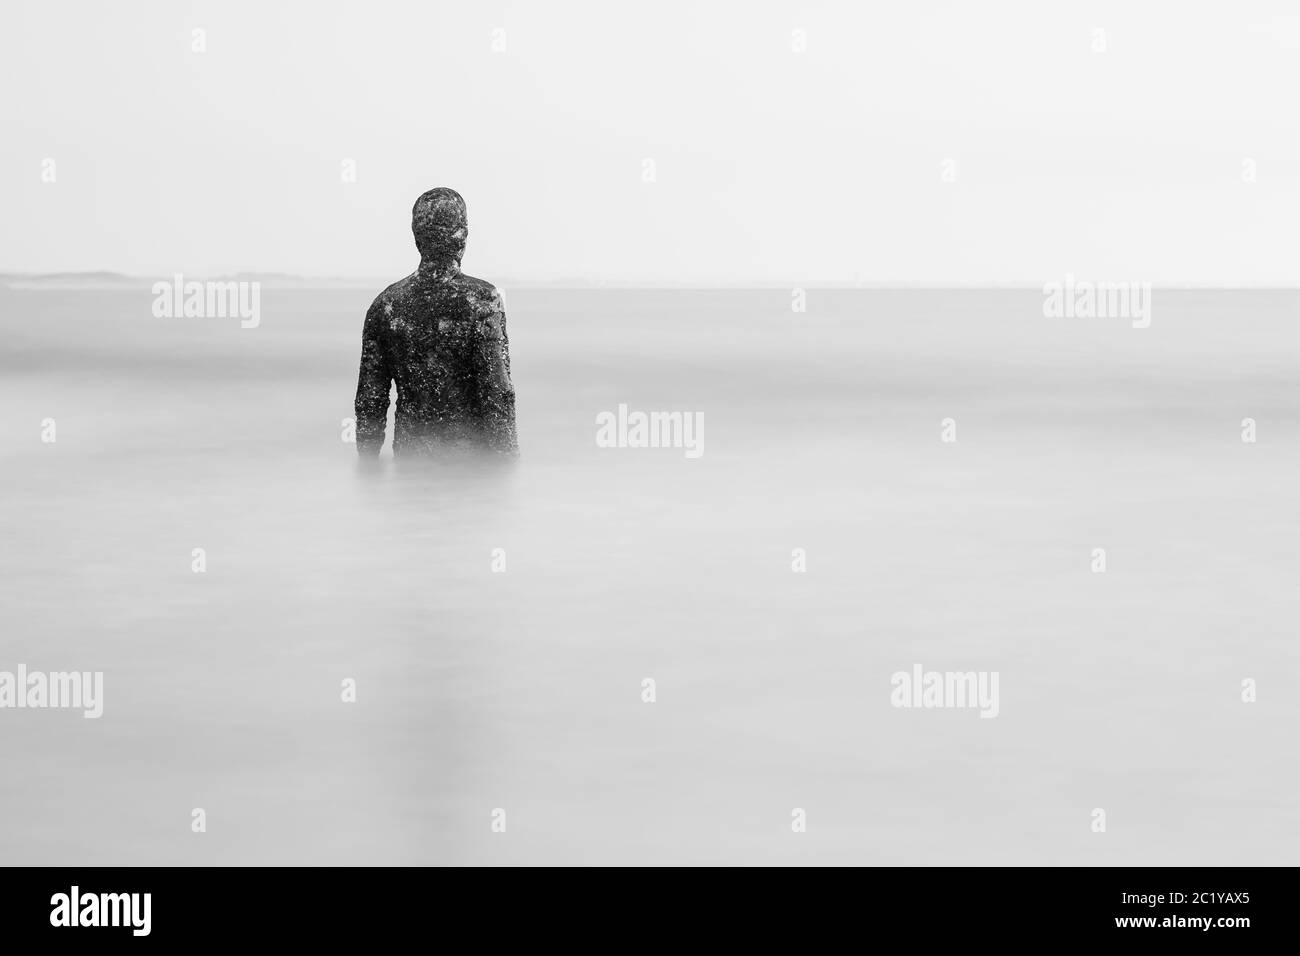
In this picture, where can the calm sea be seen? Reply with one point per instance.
(522, 691)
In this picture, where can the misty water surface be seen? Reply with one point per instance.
(522, 690)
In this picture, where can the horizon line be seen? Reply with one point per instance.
(90, 277)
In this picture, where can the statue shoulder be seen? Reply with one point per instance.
(486, 304)
(391, 296)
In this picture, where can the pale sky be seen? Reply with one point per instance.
(770, 165)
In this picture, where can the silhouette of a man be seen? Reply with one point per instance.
(441, 336)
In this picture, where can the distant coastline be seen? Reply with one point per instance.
(117, 280)
(106, 280)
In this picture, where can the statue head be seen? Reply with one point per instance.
(440, 225)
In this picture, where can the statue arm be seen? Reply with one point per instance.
(496, 392)
(374, 382)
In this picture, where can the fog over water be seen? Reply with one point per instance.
(523, 690)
